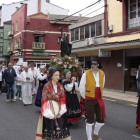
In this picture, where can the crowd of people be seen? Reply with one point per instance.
(58, 100)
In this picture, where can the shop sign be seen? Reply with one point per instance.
(2, 59)
(104, 53)
(20, 59)
(16, 54)
(40, 54)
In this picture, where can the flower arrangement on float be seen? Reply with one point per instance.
(66, 62)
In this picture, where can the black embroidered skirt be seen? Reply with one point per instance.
(50, 130)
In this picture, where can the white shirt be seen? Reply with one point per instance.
(34, 72)
(1, 76)
(19, 78)
(83, 83)
(69, 87)
(137, 74)
(40, 77)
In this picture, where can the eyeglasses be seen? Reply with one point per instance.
(95, 64)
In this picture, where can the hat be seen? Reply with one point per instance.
(95, 58)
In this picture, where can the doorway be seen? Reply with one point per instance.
(132, 64)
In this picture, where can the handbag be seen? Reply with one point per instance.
(3, 88)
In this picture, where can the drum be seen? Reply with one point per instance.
(53, 107)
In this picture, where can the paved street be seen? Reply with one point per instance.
(18, 122)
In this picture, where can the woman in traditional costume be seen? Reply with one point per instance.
(52, 126)
(73, 106)
(42, 77)
(138, 116)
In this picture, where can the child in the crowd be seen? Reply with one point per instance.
(18, 79)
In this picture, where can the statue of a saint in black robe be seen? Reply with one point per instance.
(65, 46)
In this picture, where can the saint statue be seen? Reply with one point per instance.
(65, 46)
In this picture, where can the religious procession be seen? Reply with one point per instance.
(70, 75)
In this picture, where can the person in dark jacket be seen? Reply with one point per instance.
(9, 77)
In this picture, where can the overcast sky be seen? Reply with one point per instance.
(72, 5)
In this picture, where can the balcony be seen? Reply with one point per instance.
(10, 33)
(38, 46)
(17, 46)
(10, 49)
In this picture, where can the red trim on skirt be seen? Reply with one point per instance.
(98, 97)
(39, 135)
(74, 119)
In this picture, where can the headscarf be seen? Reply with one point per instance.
(66, 71)
(51, 72)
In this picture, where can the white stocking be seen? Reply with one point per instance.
(89, 130)
(98, 127)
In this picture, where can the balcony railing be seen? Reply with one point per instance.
(10, 49)
(38, 45)
(17, 47)
(10, 33)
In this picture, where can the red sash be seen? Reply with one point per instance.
(100, 101)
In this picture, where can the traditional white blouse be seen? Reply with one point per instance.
(48, 113)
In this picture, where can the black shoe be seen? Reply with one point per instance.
(70, 124)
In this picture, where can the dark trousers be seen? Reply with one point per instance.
(18, 90)
(10, 87)
(0, 85)
(92, 107)
(138, 87)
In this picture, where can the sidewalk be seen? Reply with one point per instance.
(132, 99)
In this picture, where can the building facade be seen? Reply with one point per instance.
(122, 26)
(85, 36)
(34, 6)
(36, 38)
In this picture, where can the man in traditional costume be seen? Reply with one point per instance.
(26, 79)
(138, 116)
(73, 105)
(50, 125)
(42, 77)
(91, 88)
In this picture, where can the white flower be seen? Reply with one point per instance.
(65, 66)
(70, 66)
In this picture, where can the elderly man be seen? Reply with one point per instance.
(26, 79)
(9, 77)
(33, 70)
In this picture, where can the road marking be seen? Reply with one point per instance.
(133, 105)
(136, 136)
(109, 99)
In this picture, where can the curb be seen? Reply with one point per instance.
(122, 100)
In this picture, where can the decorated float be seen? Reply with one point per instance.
(67, 62)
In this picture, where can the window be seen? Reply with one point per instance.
(82, 33)
(20, 42)
(87, 31)
(98, 28)
(77, 34)
(133, 13)
(93, 30)
(72, 35)
(1, 35)
(16, 26)
(59, 39)
(13, 29)
(39, 39)
(0, 48)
